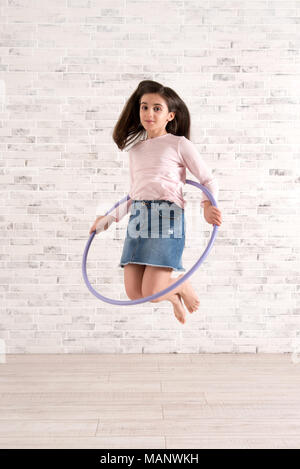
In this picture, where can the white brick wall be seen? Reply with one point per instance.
(66, 70)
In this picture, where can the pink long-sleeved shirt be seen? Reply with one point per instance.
(158, 171)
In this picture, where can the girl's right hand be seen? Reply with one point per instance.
(102, 223)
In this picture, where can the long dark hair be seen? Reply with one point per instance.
(129, 129)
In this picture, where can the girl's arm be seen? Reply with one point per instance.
(197, 166)
(201, 171)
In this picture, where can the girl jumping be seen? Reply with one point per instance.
(155, 124)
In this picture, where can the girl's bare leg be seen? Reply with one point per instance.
(158, 278)
(184, 290)
(178, 307)
(188, 294)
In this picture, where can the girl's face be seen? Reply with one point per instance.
(154, 114)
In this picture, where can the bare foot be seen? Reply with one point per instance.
(178, 307)
(189, 296)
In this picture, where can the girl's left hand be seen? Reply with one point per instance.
(213, 215)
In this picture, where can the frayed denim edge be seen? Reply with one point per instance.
(154, 265)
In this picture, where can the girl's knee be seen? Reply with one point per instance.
(133, 293)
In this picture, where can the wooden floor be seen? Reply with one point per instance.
(150, 401)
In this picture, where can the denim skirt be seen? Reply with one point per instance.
(155, 234)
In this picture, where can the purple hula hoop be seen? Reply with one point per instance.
(171, 287)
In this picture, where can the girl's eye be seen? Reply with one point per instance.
(156, 107)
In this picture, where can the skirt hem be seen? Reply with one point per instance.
(154, 265)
